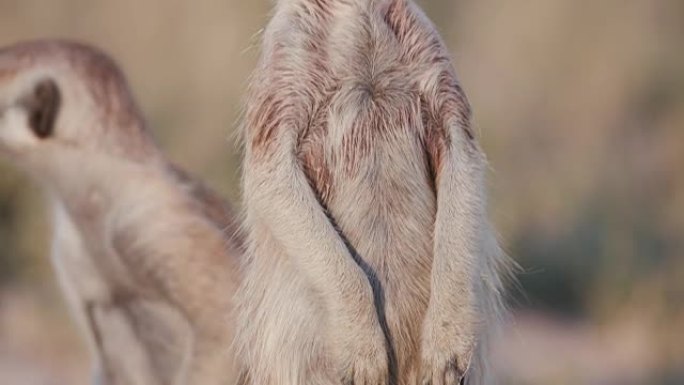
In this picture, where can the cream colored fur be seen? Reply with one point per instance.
(146, 255)
(370, 256)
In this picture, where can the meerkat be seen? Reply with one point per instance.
(147, 256)
(370, 259)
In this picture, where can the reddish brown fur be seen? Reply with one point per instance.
(275, 109)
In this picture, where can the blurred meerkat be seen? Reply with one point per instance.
(370, 259)
(142, 250)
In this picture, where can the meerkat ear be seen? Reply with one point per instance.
(43, 107)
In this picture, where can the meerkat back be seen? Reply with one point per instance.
(146, 254)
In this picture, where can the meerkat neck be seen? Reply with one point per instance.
(99, 183)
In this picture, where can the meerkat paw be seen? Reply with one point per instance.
(365, 360)
(98, 377)
(446, 353)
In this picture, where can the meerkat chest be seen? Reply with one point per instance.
(364, 133)
(365, 157)
(84, 230)
(75, 263)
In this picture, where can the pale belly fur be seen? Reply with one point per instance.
(385, 211)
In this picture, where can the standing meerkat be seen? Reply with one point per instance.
(143, 251)
(370, 258)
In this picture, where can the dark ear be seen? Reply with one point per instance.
(43, 107)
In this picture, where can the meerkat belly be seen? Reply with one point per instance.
(387, 217)
(385, 208)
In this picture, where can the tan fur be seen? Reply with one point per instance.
(147, 255)
(370, 257)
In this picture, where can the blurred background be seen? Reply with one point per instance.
(579, 105)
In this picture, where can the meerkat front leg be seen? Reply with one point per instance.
(278, 194)
(71, 263)
(451, 323)
(188, 267)
(208, 362)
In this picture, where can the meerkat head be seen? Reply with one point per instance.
(62, 99)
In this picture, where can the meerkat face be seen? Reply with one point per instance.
(43, 113)
(62, 103)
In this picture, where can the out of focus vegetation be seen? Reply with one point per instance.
(579, 105)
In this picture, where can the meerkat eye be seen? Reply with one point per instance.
(43, 107)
